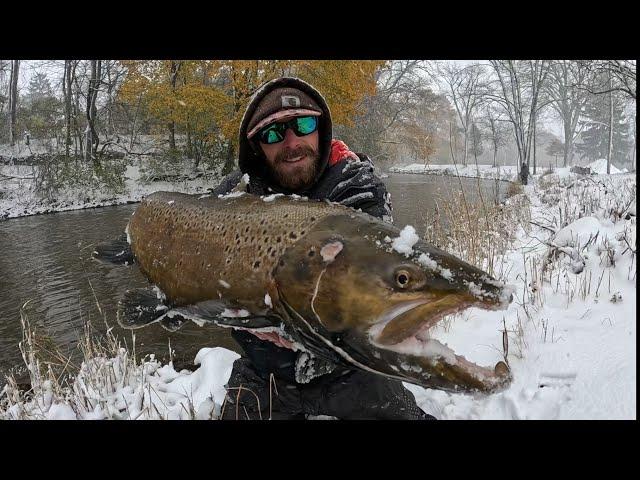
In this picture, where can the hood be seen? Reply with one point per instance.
(251, 161)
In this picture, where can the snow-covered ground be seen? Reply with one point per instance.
(570, 333)
(504, 172)
(572, 327)
(18, 197)
(483, 171)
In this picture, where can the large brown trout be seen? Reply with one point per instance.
(328, 280)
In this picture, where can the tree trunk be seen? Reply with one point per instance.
(66, 90)
(13, 100)
(466, 147)
(567, 144)
(610, 150)
(92, 140)
(175, 68)
(229, 163)
(535, 123)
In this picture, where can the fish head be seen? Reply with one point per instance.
(370, 292)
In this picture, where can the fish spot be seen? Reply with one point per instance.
(256, 264)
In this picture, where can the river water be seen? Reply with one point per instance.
(46, 271)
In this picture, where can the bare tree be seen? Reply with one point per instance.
(92, 139)
(519, 83)
(564, 86)
(13, 100)
(465, 88)
(610, 145)
(173, 78)
(496, 127)
(67, 83)
(621, 72)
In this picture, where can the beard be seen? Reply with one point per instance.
(295, 177)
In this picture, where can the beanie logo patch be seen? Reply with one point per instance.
(290, 101)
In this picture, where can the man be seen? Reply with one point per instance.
(286, 146)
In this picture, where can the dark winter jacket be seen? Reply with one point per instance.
(343, 177)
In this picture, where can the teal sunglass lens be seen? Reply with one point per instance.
(306, 125)
(271, 135)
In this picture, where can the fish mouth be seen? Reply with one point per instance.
(405, 330)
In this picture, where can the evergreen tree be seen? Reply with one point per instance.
(41, 114)
(594, 143)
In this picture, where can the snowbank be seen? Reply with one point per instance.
(148, 391)
(18, 197)
(483, 171)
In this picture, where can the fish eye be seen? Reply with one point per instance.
(402, 278)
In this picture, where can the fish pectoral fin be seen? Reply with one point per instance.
(140, 307)
(116, 251)
(172, 322)
(224, 315)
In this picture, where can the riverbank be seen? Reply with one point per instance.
(569, 249)
(501, 172)
(20, 198)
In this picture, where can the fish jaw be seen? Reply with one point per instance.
(410, 353)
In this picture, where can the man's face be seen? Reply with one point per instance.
(293, 162)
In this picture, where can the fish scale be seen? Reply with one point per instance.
(203, 247)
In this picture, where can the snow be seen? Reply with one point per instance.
(150, 391)
(232, 194)
(600, 167)
(271, 198)
(235, 313)
(503, 172)
(18, 196)
(572, 348)
(405, 242)
(425, 260)
(508, 172)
